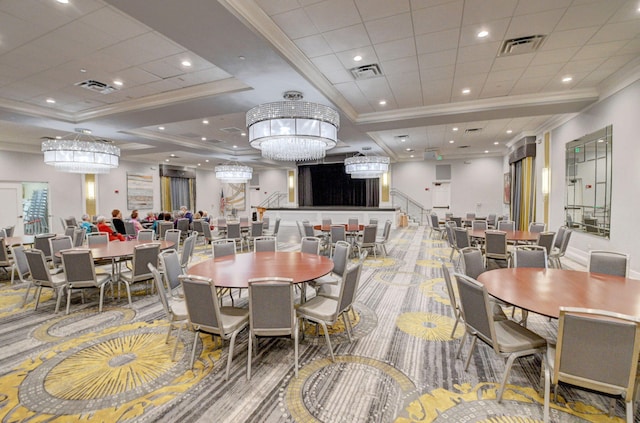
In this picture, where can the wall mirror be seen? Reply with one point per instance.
(588, 201)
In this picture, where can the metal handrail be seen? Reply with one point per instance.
(408, 205)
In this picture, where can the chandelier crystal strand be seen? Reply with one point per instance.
(293, 130)
(81, 156)
(365, 167)
(232, 173)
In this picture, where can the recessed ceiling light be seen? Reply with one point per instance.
(454, 128)
(50, 101)
(451, 141)
(357, 58)
(509, 131)
(241, 57)
(600, 140)
(486, 151)
(205, 122)
(172, 155)
(207, 160)
(403, 139)
(198, 164)
(166, 160)
(483, 34)
(58, 137)
(411, 156)
(63, 1)
(466, 91)
(243, 134)
(83, 70)
(496, 143)
(161, 128)
(186, 63)
(567, 79)
(235, 146)
(203, 138)
(408, 149)
(382, 102)
(117, 82)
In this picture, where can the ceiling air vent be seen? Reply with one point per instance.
(472, 130)
(97, 86)
(521, 45)
(367, 71)
(231, 130)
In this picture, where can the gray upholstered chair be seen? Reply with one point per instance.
(42, 278)
(41, 242)
(264, 243)
(479, 225)
(310, 245)
(462, 239)
(183, 225)
(223, 247)
(271, 314)
(173, 235)
(206, 315)
(495, 247)
(584, 357)
(57, 244)
(537, 227)
(20, 265)
(368, 240)
(472, 261)
(506, 225)
(171, 270)
(546, 240)
(276, 229)
(187, 250)
(337, 233)
(79, 235)
(80, 273)
(381, 241)
(234, 233)
(97, 238)
(175, 310)
(326, 311)
(452, 298)
(146, 235)
(163, 227)
(143, 254)
(530, 256)
(254, 232)
(558, 253)
(449, 227)
(507, 338)
(608, 262)
(435, 226)
(340, 260)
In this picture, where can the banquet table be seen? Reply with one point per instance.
(347, 227)
(544, 291)
(235, 271)
(24, 239)
(516, 236)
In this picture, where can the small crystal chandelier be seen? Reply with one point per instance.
(76, 154)
(293, 130)
(366, 167)
(233, 173)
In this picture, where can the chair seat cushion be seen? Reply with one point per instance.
(321, 308)
(329, 290)
(178, 309)
(330, 278)
(233, 318)
(513, 337)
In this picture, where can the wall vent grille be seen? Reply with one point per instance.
(367, 71)
(97, 86)
(521, 45)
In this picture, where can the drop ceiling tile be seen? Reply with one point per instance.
(338, 76)
(164, 68)
(390, 28)
(594, 79)
(396, 49)
(134, 76)
(15, 32)
(570, 38)
(512, 62)
(628, 11)
(541, 23)
(421, 4)
(144, 48)
(352, 93)
(470, 68)
(437, 18)
(596, 13)
(313, 45)
(473, 82)
(478, 12)
(436, 60)
(295, 23)
(496, 29)
(527, 7)
(579, 66)
(333, 14)
(614, 63)
(400, 66)
(556, 84)
(594, 51)
(617, 31)
(499, 89)
(163, 86)
(542, 70)
(375, 89)
(347, 38)
(274, 7)
(505, 75)
(376, 9)
(478, 52)
(102, 62)
(437, 41)
(367, 53)
(632, 46)
(328, 63)
(561, 55)
(114, 24)
(435, 74)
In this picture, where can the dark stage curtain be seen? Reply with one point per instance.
(330, 185)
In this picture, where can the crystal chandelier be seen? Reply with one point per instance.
(233, 173)
(293, 130)
(366, 167)
(80, 155)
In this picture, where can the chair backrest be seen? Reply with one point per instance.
(546, 240)
(341, 257)
(337, 233)
(348, 287)
(202, 303)
(224, 247)
(434, 221)
(20, 260)
(173, 235)
(450, 291)
(584, 353)
(78, 266)
(565, 241)
(4, 255)
(144, 254)
(129, 228)
(265, 222)
(479, 225)
(146, 235)
(187, 249)
(264, 243)
(506, 225)
(458, 221)
(206, 230)
(387, 230)
(197, 225)
(233, 231)
(38, 266)
(78, 237)
(183, 225)
(537, 227)
(170, 262)
(97, 238)
(68, 231)
(451, 234)
(310, 245)
(221, 221)
(70, 221)
(470, 216)
(326, 221)
(373, 221)
(157, 280)
(369, 235)
(491, 219)
(608, 262)
(276, 227)
(472, 261)
(559, 237)
(475, 308)
(58, 244)
(271, 311)
(530, 256)
(41, 242)
(9, 230)
(352, 221)
(300, 229)
(256, 229)
(462, 238)
(244, 219)
(495, 243)
(308, 229)
(163, 227)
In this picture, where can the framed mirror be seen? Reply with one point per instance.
(588, 194)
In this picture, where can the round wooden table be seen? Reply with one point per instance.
(545, 291)
(347, 227)
(517, 236)
(24, 239)
(121, 248)
(236, 270)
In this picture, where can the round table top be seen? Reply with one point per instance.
(14, 240)
(511, 235)
(347, 227)
(545, 291)
(122, 248)
(236, 270)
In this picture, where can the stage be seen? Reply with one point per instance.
(289, 216)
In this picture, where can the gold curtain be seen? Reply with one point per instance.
(165, 193)
(527, 200)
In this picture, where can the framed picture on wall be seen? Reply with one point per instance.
(235, 196)
(507, 188)
(139, 191)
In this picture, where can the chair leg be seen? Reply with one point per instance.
(547, 392)
(464, 337)
(326, 335)
(473, 346)
(249, 356)
(193, 348)
(455, 325)
(126, 284)
(101, 298)
(68, 299)
(507, 370)
(347, 325)
(295, 348)
(175, 346)
(37, 296)
(230, 357)
(60, 291)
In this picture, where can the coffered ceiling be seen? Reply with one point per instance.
(394, 69)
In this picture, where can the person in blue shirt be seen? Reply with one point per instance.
(85, 224)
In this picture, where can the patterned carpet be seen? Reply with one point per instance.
(400, 367)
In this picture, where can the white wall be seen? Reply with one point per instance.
(622, 111)
(476, 184)
(111, 190)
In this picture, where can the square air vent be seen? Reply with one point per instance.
(521, 45)
(367, 71)
(472, 130)
(231, 130)
(97, 86)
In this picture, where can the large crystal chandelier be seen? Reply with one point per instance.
(293, 130)
(366, 167)
(233, 173)
(80, 153)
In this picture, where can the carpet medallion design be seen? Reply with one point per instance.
(428, 326)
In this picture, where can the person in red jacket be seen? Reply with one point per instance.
(103, 227)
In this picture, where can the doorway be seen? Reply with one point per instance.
(25, 205)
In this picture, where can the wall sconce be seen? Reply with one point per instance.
(291, 182)
(546, 180)
(91, 190)
(385, 179)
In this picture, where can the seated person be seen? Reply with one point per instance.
(86, 224)
(155, 222)
(185, 213)
(151, 217)
(117, 222)
(134, 219)
(104, 227)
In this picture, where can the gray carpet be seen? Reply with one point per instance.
(400, 366)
